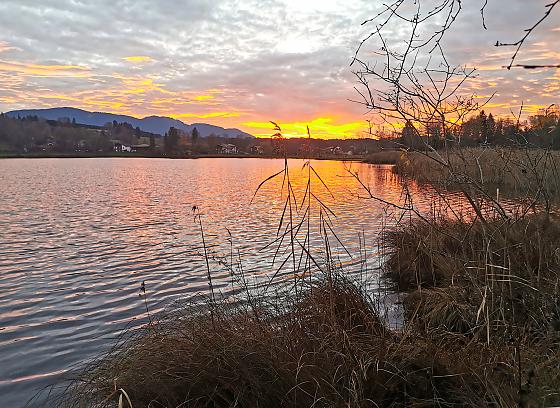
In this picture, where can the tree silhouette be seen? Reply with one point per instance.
(171, 140)
(409, 136)
(194, 136)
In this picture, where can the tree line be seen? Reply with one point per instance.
(33, 134)
(482, 129)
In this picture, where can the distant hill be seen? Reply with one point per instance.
(152, 124)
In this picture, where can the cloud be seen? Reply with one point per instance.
(138, 58)
(44, 70)
(4, 46)
(239, 63)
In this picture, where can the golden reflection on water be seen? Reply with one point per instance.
(80, 235)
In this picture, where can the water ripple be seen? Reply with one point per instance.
(78, 236)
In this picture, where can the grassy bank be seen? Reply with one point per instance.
(482, 328)
(327, 348)
(516, 172)
(488, 283)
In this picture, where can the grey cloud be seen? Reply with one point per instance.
(233, 45)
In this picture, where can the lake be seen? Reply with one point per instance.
(78, 237)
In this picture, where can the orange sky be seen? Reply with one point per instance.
(228, 63)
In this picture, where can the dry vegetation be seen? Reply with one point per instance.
(516, 172)
(490, 283)
(491, 278)
(481, 300)
(384, 157)
(329, 348)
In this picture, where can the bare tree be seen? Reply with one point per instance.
(412, 82)
(406, 79)
(519, 43)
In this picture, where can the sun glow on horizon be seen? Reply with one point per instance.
(320, 128)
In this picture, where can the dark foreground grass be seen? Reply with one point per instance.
(493, 283)
(327, 348)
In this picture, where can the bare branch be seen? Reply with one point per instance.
(549, 7)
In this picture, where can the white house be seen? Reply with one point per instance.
(226, 149)
(119, 147)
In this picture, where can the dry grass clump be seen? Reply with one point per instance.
(450, 252)
(516, 172)
(328, 348)
(385, 157)
(493, 283)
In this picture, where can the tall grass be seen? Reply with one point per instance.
(520, 173)
(327, 348)
(494, 283)
(384, 157)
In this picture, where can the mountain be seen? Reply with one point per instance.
(152, 124)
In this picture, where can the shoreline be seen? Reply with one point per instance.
(361, 158)
(332, 330)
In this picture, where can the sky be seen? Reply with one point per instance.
(243, 63)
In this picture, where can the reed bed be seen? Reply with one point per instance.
(492, 282)
(482, 321)
(327, 348)
(384, 157)
(532, 173)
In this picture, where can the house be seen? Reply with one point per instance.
(226, 149)
(256, 149)
(333, 150)
(120, 147)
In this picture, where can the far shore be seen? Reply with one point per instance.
(76, 155)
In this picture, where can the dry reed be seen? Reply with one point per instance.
(530, 173)
(492, 283)
(329, 348)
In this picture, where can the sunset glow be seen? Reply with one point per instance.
(138, 58)
(236, 71)
(322, 128)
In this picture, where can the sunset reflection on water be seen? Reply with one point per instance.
(78, 236)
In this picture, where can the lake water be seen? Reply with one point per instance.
(78, 236)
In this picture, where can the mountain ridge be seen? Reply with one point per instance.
(153, 124)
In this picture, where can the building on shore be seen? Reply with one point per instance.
(226, 149)
(120, 147)
(256, 149)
